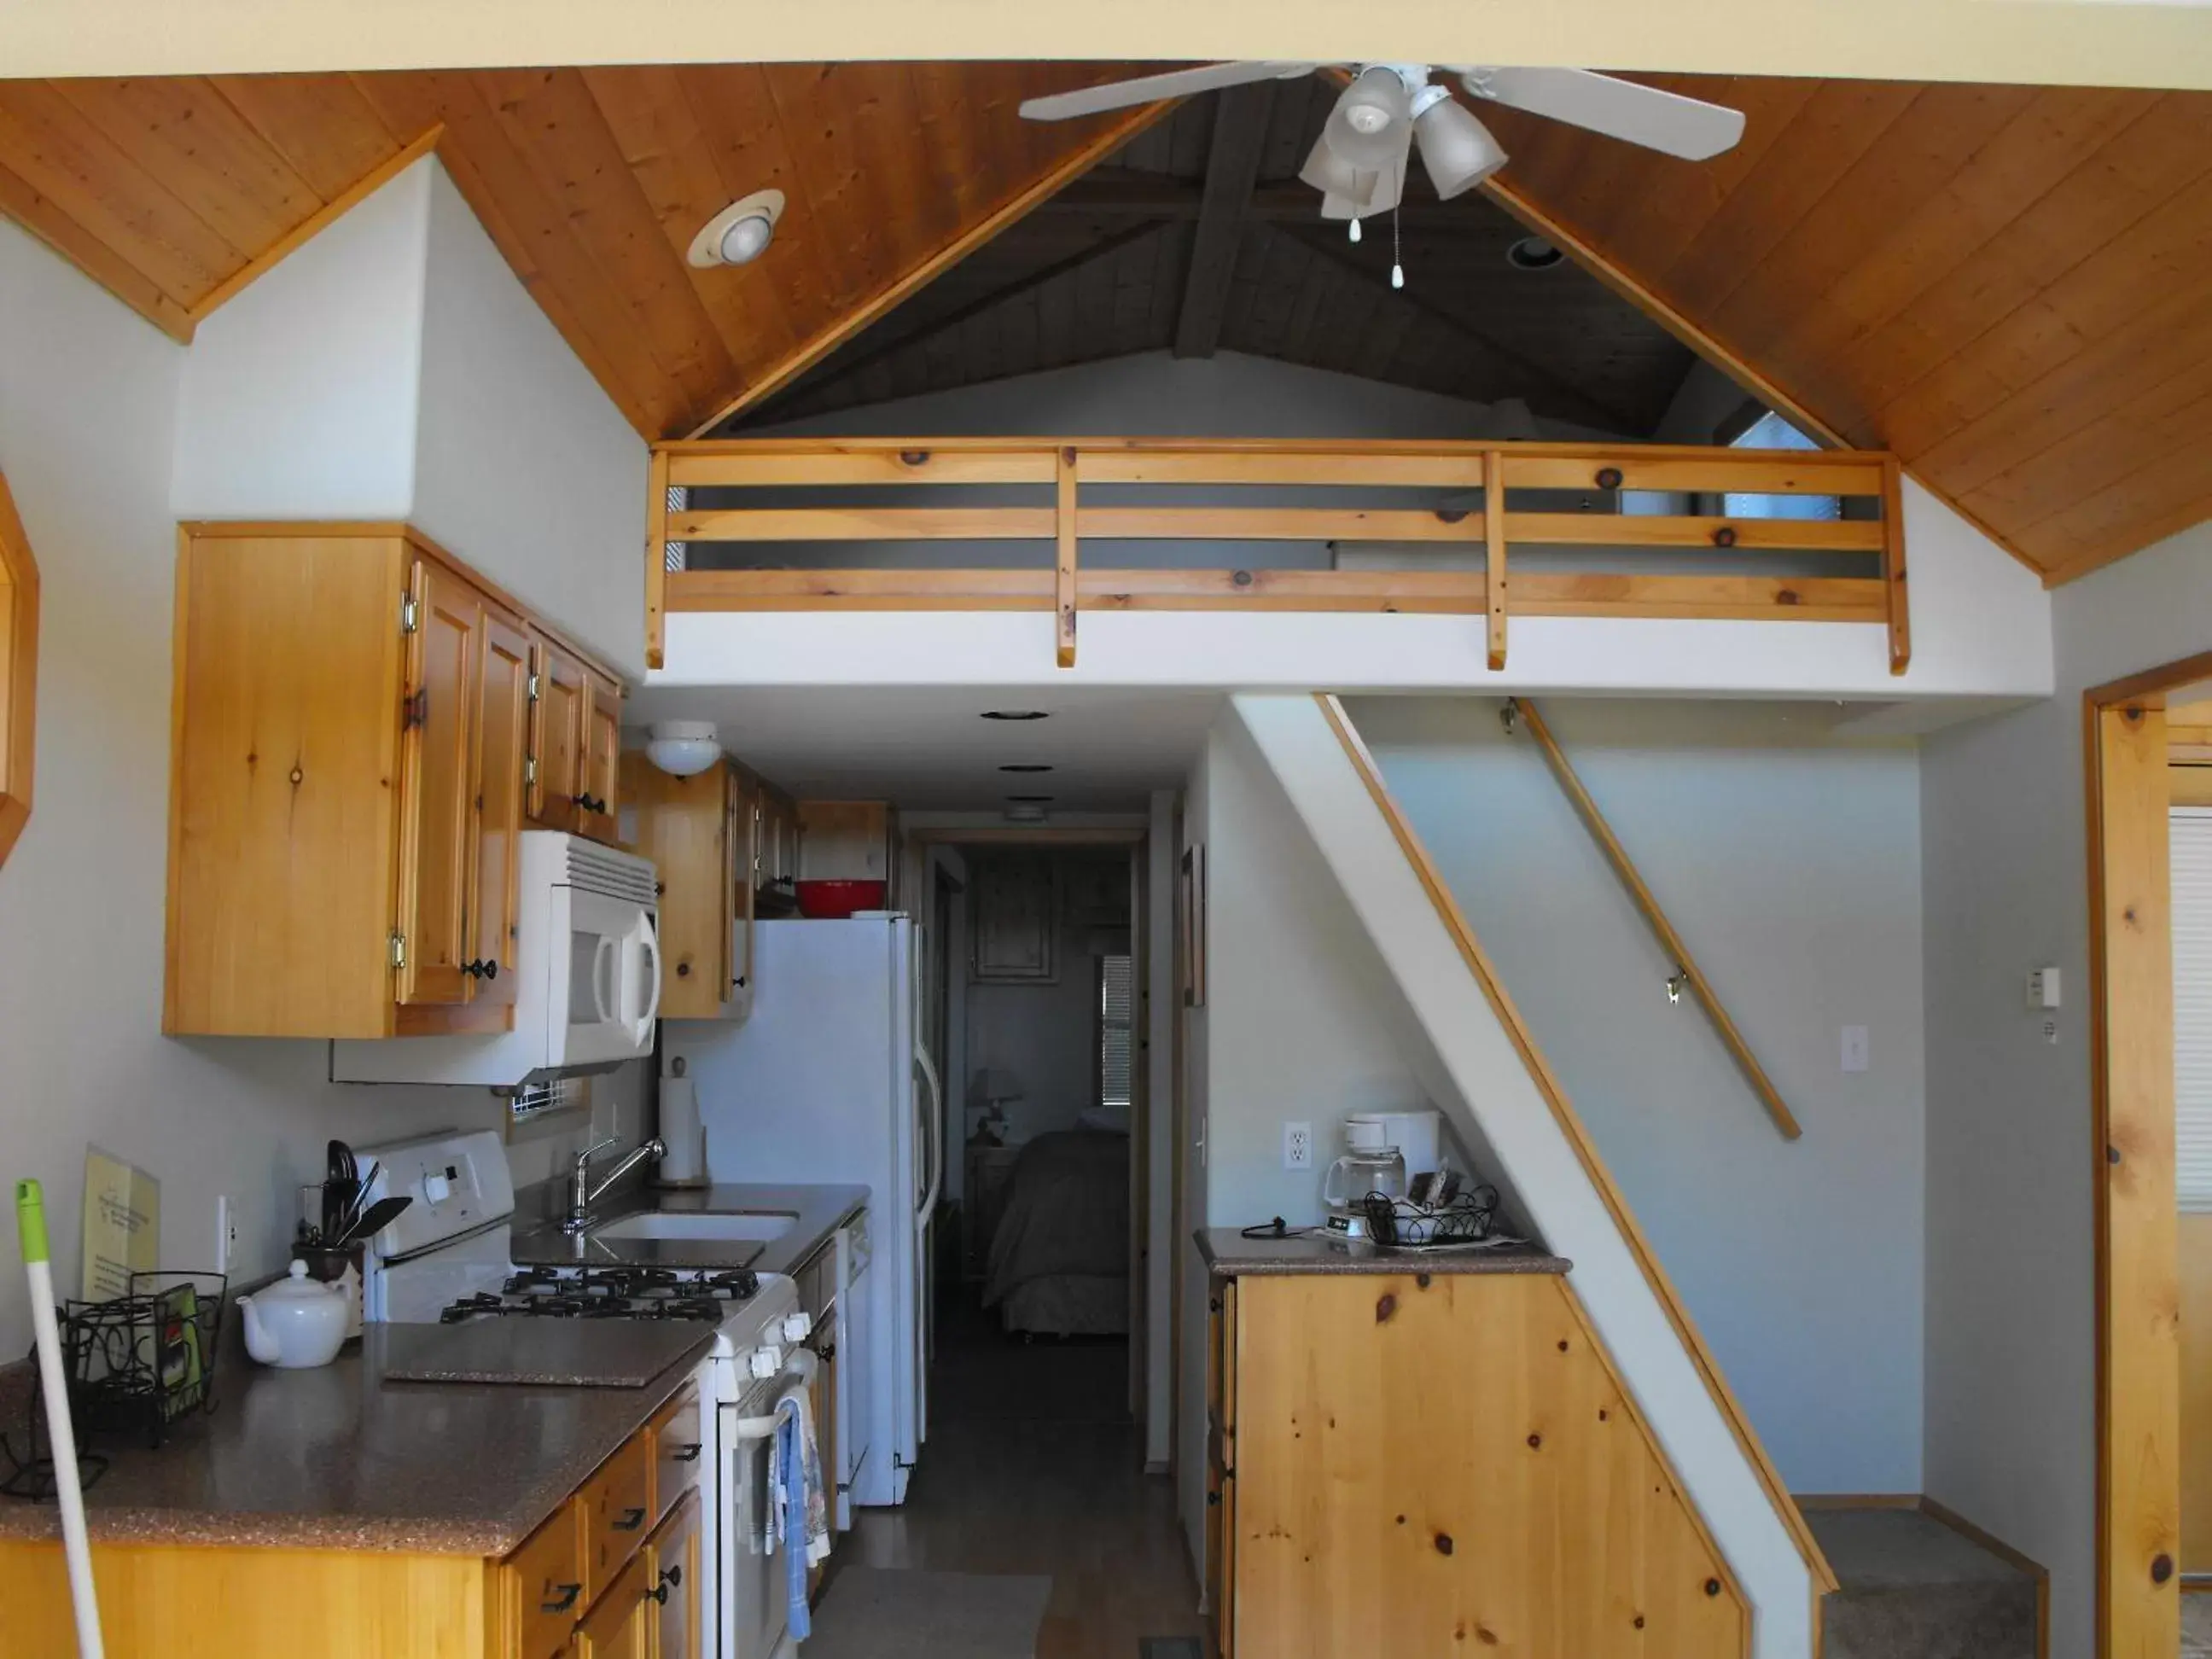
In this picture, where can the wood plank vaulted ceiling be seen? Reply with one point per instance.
(2009, 286)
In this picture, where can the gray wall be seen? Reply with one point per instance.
(2011, 1328)
(1790, 864)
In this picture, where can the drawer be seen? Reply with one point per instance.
(677, 1446)
(617, 1506)
(542, 1584)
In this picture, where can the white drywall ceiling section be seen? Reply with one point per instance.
(1536, 1158)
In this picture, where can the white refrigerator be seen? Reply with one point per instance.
(828, 1080)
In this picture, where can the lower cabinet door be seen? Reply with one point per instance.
(671, 1560)
(616, 1627)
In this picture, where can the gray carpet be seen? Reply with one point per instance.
(875, 1613)
(1914, 1588)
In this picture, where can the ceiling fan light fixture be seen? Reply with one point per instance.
(1458, 150)
(740, 232)
(1367, 127)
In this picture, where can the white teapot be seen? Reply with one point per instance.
(297, 1323)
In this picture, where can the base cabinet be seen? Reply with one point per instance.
(1482, 1467)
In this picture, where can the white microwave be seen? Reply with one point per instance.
(587, 950)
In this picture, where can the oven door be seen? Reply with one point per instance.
(606, 989)
(755, 1594)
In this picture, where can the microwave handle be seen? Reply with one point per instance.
(603, 979)
(641, 1029)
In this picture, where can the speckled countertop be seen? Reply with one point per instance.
(817, 1213)
(1229, 1254)
(340, 1458)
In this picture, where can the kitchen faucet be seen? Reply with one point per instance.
(582, 1195)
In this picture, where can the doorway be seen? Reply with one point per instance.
(2146, 1458)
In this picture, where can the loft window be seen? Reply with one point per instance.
(1771, 431)
(19, 671)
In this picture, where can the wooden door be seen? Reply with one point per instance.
(616, 1627)
(556, 738)
(1012, 930)
(437, 850)
(502, 742)
(672, 1573)
(601, 786)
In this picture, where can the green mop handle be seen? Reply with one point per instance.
(61, 1432)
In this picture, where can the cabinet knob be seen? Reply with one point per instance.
(591, 802)
(682, 971)
(480, 969)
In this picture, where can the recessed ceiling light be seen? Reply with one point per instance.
(1026, 766)
(1015, 714)
(740, 232)
(1532, 253)
(1029, 800)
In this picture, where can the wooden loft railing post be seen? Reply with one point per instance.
(1689, 973)
(1063, 606)
(656, 559)
(1893, 565)
(1493, 535)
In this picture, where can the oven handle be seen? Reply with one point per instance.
(799, 1373)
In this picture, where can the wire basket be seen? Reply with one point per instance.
(135, 1366)
(1404, 1224)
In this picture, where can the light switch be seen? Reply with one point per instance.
(1855, 1047)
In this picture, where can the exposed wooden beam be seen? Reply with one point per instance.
(1232, 168)
(1564, 400)
(812, 351)
(1685, 965)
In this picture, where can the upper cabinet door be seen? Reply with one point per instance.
(597, 801)
(503, 727)
(556, 738)
(1012, 925)
(438, 774)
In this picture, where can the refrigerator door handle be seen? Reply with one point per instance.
(934, 1137)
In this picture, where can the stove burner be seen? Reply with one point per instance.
(551, 1293)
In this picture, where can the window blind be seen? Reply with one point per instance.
(2192, 1007)
(1117, 1022)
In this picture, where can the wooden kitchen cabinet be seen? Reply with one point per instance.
(673, 1585)
(618, 1626)
(349, 754)
(1012, 918)
(576, 742)
(846, 841)
(1482, 1464)
(703, 835)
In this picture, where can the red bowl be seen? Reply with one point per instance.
(834, 901)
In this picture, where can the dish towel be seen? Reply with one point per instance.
(799, 1514)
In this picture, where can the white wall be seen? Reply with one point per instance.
(523, 465)
(1791, 864)
(1980, 622)
(89, 411)
(2011, 1255)
(300, 394)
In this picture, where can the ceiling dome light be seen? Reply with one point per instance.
(682, 748)
(1367, 126)
(1533, 253)
(1456, 149)
(740, 232)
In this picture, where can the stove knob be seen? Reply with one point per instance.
(797, 1327)
(765, 1363)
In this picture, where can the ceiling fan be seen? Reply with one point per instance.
(1386, 110)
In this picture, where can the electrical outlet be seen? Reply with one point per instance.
(225, 1232)
(2050, 1028)
(1297, 1145)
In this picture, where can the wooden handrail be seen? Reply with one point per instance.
(1688, 974)
(1073, 470)
(1486, 976)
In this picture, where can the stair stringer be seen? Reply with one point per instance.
(1675, 1385)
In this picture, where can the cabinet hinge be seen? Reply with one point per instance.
(530, 769)
(408, 613)
(533, 688)
(398, 949)
(415, 710)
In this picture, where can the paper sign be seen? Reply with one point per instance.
(122, 1225)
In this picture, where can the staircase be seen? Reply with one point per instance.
(1914, 1588)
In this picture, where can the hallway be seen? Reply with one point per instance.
(1033, 1465)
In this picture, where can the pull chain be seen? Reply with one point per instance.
(1355, 230)
(1397, 270)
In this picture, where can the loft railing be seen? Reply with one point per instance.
(1494, 530)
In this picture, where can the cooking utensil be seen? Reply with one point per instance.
(61, 1432)
(341, 1184)
(361, 1197)
(368, 1223)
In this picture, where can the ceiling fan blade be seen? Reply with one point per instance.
(1666, 121)
(1151, 88)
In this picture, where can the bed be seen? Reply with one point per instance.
(1059, 1255)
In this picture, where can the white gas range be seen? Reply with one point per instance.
(448, 1259)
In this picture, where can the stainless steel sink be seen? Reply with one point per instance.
(693, 1226)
